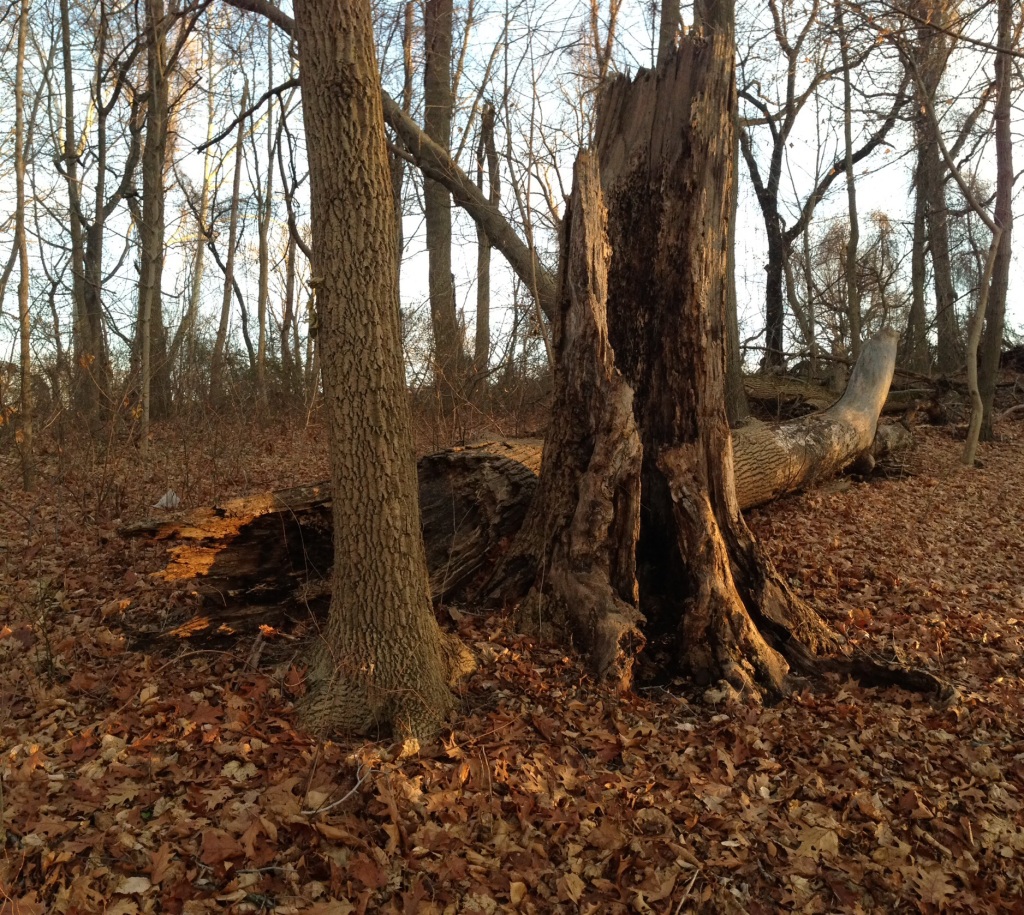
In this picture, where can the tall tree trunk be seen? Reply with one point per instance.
(26, 444)
(397, 161)
(383, 662)
(92, 353)
(265, 211)
(152, 338)
(437, 205)
(918, 358)
(220, 342)
(186, 329)
(992, 341)
(289, 356)
(84, 393)
(811, 310)
(853, 240)
(931, 54)
(486, 156)
(775, 310)
(670, 22)
(950, 351)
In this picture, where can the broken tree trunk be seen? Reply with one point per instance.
(663, 157)
(635, 534)
(770, 461)
(577, 547)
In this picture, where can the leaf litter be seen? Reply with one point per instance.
(179, 782)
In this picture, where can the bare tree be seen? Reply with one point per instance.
(995, 274)
(220, 343)
(992, 342)
(852, 279)
(779, 121)
(109, 88)
(438, 104)
(26, 445)
(185, 331)
(486, 156)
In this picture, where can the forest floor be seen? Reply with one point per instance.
(177, 781)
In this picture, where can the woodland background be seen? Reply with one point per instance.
(163, 336)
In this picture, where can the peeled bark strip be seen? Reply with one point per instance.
(576, 551)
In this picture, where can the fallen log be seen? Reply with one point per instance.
(770, 461)
(261, 558)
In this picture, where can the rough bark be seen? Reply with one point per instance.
(664, 147)
(711, 16)
(576, 551)
(151, 342)
(992, 341)
(437, 206)
(642, 411)
(383, 661)
(691, 526)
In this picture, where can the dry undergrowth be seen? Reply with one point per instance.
(177, 782)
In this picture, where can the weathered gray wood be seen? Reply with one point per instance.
(770, 461)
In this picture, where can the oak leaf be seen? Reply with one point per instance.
(218, 846)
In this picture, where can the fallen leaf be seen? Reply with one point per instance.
(134, 886)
